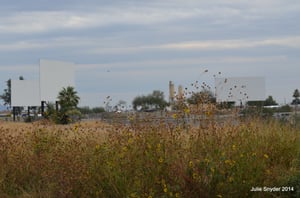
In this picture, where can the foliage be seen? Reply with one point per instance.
(98, 110)
(189, 152)
(6, 96)
(226, 105)
(255, 103)
(202, 97)
(68, 101)
(270, 101)
(68, 98)
(88, 110)
(85, 110)
(154, 101)
(296, 96)
(97, 160)
(68, 111)
(284, 108)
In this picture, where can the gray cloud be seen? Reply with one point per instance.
(147, 43)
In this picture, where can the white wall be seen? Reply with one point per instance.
(54, 75)
(240, 89)
(25, 93)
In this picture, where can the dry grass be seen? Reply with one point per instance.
(94, 159)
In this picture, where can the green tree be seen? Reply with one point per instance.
(258, 103)
(202, 97)
(98, 110)
(68, 101)
(68, 98)
(270, 101)
(6, 96)
(154, 101)
(85, 110)
(296, 96)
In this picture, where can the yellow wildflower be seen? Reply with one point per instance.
(233, 147)
(266, 156)
(174, 115)
(195, 176)
(161, 160)
(230, 162)
(149, 146)
(131, 118)
(130, 141)
(125, 148)
(208, 113)
(227, 161)
(187, 110)
(191, 164)
(158, 146)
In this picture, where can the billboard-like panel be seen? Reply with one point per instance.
(54, 75)
(240, 89)
(25, 93)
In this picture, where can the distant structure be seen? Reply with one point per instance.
(173, 96)
(180, 92)
(54, 75)
(240, 89)
(171, 92)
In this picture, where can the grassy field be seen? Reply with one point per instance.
(94, 159)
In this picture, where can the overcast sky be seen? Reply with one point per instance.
(125, 48)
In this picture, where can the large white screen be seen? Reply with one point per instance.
(240, 89)
(25, 93)
(54, 75)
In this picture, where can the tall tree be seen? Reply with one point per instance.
(270, 101)
(202, 97)
(6, 96)
(296, 96)
(154, 101)
(68, 100)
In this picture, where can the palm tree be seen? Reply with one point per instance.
(68, 98)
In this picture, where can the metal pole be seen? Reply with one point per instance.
(56, 105)
(42, 107)
(14, 114)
